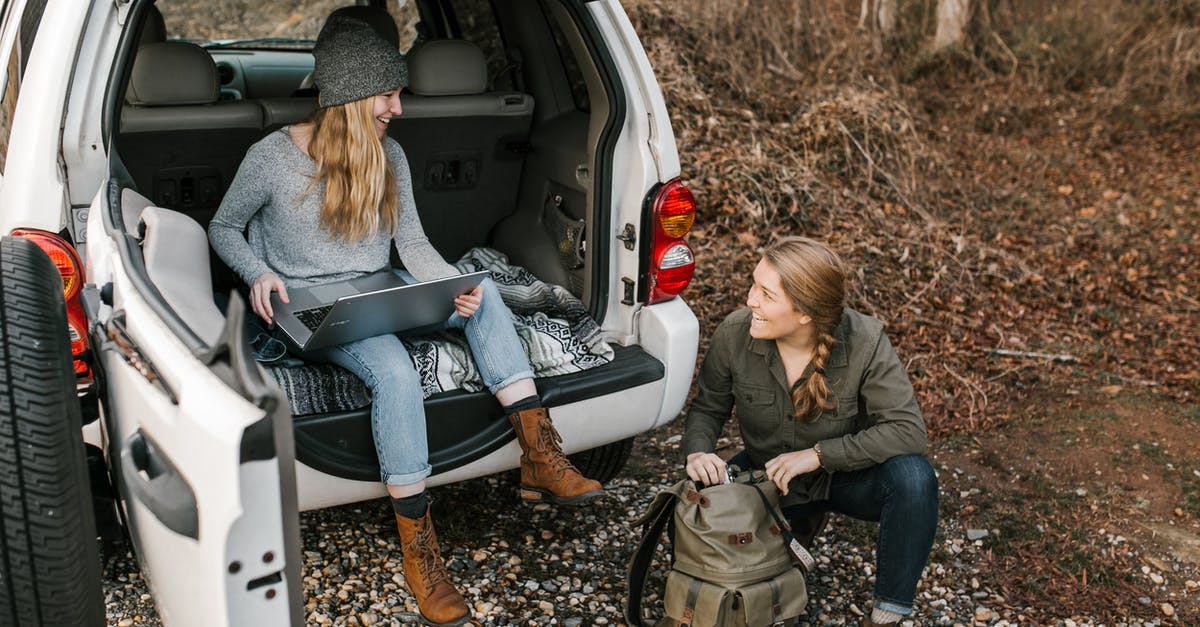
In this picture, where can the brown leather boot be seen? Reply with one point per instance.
(546, 473)
(439, 602)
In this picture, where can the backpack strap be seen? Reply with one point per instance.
(776, 609)
(661, 510)
(689, 606)
(799, 554)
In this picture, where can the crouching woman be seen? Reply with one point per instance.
(825, 407)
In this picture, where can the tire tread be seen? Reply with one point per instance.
(49, 559)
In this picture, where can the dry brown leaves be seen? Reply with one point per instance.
(988, 226)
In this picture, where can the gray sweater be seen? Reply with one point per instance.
(285, 235)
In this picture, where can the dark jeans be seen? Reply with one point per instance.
(900, 494)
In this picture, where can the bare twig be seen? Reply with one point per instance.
(891, 180)
(1011, 57)
(971, 388)
(1004, 352)
(937, 274)
(1016, 368)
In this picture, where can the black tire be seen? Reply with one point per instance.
(49, 558)
(604, 463)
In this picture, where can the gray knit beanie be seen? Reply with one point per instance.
(354, 62)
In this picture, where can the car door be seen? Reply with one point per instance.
(198, 442)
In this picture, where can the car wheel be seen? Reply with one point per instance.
(49, 558)
(604, 463)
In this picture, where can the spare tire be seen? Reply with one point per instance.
(604, 463)
(49, 557)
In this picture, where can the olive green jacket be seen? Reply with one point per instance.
(876, 416)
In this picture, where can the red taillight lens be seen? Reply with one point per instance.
(70, 268)
(675, 267)
(671, 263)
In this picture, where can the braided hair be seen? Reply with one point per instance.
(814, 280)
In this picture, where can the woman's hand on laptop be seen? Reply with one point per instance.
(468, 303)
(260, 295)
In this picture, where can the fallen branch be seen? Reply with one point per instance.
(1004, 352)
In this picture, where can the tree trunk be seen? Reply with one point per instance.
(952, 19)
(878, 15)
(887, 16)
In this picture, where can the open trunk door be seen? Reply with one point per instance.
(197, 437)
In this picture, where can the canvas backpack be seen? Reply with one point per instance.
(735, 563)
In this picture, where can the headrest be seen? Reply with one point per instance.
(447, 67)
(154, 28)
(173, 73)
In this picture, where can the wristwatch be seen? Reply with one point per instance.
(817, 450)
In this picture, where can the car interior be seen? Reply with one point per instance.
(504, 121)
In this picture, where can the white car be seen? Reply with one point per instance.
(121, 125)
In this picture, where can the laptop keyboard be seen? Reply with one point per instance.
(312, 318)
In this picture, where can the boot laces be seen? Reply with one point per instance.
(425, 549)
(549, 440)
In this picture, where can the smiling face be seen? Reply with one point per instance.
(387, 106)
(773, 315)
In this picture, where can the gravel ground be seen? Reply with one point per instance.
(541, 565)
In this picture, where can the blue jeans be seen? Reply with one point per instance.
(397, 404)
(901, 494)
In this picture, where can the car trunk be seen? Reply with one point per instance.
(524, 170)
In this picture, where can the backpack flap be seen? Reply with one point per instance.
(724, 535)
(690, 601)
(775, 601)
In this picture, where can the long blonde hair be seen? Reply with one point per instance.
(360, 186)
(814, 280)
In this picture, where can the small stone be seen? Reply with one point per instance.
(368, 618)
(125, 622)
(1191, 585)
(983, 614)
(976, 534)
(1156, 578)
(1167, 610)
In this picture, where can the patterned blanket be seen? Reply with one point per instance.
(554, 327)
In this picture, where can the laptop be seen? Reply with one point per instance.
(379, 303)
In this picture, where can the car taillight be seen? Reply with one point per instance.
(70, 268)
(670, 264)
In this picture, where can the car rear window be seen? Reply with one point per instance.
(255, 23)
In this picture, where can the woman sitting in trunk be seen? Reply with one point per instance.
(324, 201)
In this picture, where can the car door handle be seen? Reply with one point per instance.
(157, 484)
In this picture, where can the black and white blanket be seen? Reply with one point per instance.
(555, 330)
